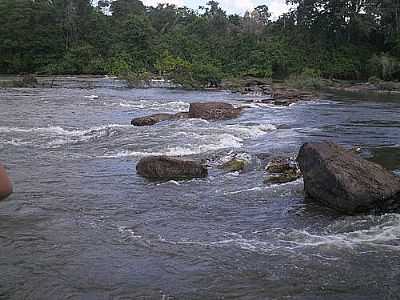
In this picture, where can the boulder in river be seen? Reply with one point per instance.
(213, 111)
(341, 180)
(168, 168)
(157, 118)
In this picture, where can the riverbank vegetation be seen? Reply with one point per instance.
(317, 39)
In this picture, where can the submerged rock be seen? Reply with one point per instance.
(207, 111)
(157, 118)
(181, 115)
(284, 102)
(282, 170)
(151, 120)
(234, 165)
(346, 182)
(281, 165)
(168, 168)
(282, 178)
(213, 111)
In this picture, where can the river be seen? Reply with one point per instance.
(82, 225)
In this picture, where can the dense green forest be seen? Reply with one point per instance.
(343, 39)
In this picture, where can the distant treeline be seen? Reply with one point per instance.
(343, 39)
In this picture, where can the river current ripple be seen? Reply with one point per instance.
(82, 225)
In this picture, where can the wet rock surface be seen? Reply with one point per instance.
(168, 168)
(279, 96)
(282, 170)
(151, 120)
(213, 111)
(6, 187)
(234, 165)
(339, 179)
(157, 118)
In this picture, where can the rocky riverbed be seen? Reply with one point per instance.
(82, 224)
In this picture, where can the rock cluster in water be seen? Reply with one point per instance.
(280, 96)
(212, 111)
(339, 179)
(333, 176)
(285, 97)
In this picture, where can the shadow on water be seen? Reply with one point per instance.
(388, 157)
(377, 97)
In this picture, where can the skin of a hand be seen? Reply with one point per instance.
(5, 183)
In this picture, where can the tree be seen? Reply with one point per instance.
(124, 8)
(261, 15)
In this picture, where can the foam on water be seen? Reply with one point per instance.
(14, 142)
(92, 97)
(156, 105)
(383, 232)
(55, 136)
(233, 155)
(243, 130)
(251, 131)
(129, 232)
(199, 136)
(58, 130)
(266, 187)
(219, 142)
(255, 189)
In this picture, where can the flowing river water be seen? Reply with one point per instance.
(82, 225)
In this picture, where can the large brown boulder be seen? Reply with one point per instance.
(346, 182)
(157, 118)
(5, 184)
(168, 168)
(213, 111)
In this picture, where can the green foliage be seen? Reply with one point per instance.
(175, 68)
(308, 79)
(319, 39)
(124, 63)
(383, 66)
(263, 72)
(170, 65)
(188, 74)
(206, 73)
(119, 65)
(374, 80)
(136, 79)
